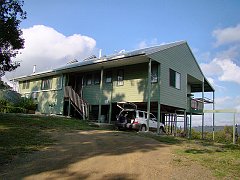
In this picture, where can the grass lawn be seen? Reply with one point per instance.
(222, 159)
(21, 133)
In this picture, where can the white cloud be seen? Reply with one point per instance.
(47, 48)
(145, 43)
(224, 69)
(231, 53)
(222, 100)
(212, 68)
(142, 44)
(215, 85)
(231, 71)
(227, 35)
(237, 100)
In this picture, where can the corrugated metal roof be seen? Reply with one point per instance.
(144, 51)
(122, 55)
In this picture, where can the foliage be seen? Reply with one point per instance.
(26, 103)
(26, 133)
(221, 136)
(11, 14)
(12, 102)
(10, 96)
(4, 85)
(221, 158)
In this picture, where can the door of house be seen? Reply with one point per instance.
(75, 81)
(79, 85)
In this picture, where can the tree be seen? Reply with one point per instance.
(11, 15)
(4, 85)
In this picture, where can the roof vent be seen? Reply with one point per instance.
(72, 61)
(34, 69)
(122, 51)
(89, 58)
(100, 53)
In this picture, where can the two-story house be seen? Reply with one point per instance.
(160, 79)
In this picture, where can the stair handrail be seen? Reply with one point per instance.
(76, 100)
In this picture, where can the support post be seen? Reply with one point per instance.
(84, 112)
(100, 97)
(159, 98)
(175, 122)
(185, 122)
(203, 108)
(213, 116)
(110, 113)
(149, 92)
(234, 128)
(69, 106)
(110, 106)
(190, 127)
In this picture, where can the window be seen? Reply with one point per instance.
(154, 73)
(59, 82)
(26, 84)
(140, 114)
(89, 79)
(46, 84)
(175, 79)
(120, 77)
(109, 77)
(97, 78)
(152, 116)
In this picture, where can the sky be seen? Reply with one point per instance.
(59, 31)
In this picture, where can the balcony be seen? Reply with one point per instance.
(195, 106)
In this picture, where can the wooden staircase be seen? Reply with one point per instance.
(81, 106)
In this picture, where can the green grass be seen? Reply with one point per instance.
(222, 159)
(21, 134)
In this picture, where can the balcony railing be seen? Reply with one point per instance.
(195, 105)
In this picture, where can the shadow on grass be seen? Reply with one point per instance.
(22, 133)
(198, 151)
(166, 139)
(231, 146)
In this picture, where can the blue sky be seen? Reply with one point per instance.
(57, 31)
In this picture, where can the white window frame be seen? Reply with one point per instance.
(108, 77)
(46, 84)
(120, 77)
(177, 79)
(26, 84)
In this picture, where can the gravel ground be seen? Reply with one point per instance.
(103, 155)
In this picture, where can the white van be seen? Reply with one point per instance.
(131, 118)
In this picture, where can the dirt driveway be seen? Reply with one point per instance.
(102, 155)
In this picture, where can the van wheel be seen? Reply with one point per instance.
(143, 128)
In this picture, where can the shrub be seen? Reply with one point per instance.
(10, 96)
(22, 105)
(196, 134)
(222, 136)
(26, 103)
